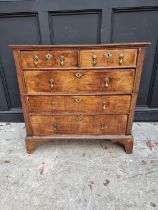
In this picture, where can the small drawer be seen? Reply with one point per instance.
(78, 124)
(86, 104)
(108, 57)
(118, 81)
(54, 58)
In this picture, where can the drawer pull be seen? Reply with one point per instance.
(78, 118)
(108, 55)
(53, 105)
(121, 58)
(106, 82)
(94, 60)
(77, 100)
(78, 74)
(49, 57)
(55, 126)
(36, 59)
(62, 59)
(102, 126)
(52, 83)
(104, 105)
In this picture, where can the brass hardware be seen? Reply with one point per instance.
(55, 126)
(108, 55)
(102, 126)
(53, 104)
(62, 59)
(104, 105)
(121, 58)
(27, 98)
(49, 56)
(52, 83)
(36, 59)
(94, 60)
(78, 118)
(78, 74)
(77, 100)
(106, 82)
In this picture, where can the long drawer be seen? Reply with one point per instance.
(79, 81)
(78, 124)
(87, 104)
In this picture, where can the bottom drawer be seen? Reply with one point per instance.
(43, 125)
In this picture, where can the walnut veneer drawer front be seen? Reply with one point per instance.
(79, 81)
(86, 104)
(108, 57)
(58, 58)
(78, 124)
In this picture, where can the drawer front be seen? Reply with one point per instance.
(85, 104)
(114, 58)
(78, 124)
(79, 81)
(60, 58)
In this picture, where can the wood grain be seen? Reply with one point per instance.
(141, 53)
(70, 58)
(82, 46)
(90, 80)
(78, 124)
(86, 104)
(79, 98)
(16, 54)
(129, 59)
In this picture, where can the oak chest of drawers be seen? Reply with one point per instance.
(79, 91)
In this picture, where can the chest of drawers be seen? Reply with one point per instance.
(79, 91)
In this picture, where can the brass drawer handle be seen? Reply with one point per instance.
(62, 59)
(52, 83)
(36, 59)
(94, 60)
(49, 57)
(78, 74)
(121, 58)
(53, 105)
(78, 118)
(102, 126)
(77, 100)
(108, 55)
(106, 82)
(55, 126)
(104, 105)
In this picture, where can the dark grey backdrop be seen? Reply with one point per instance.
(78, 22)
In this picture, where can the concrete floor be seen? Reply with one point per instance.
(79, 175)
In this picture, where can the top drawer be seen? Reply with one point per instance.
(108, 57)
(54, 58)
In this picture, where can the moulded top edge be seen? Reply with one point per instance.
(113, 45)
